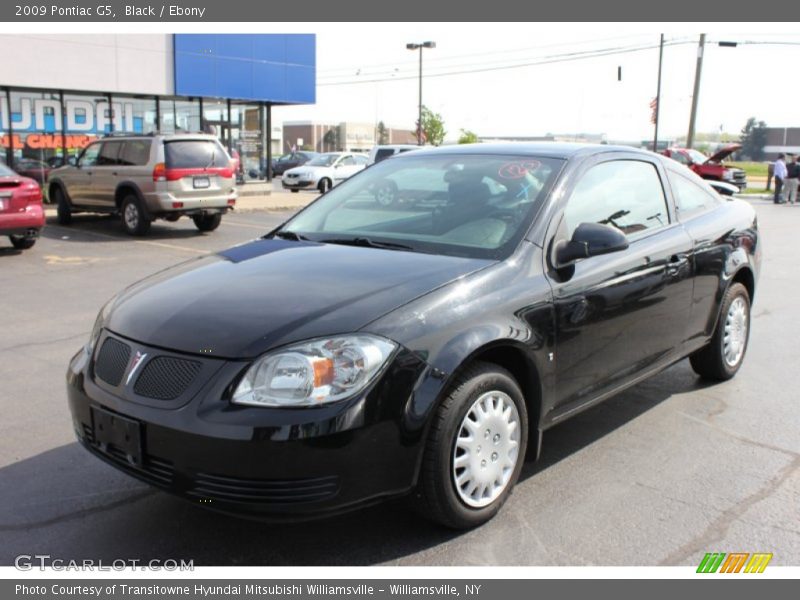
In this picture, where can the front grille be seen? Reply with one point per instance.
(112, 361)
(166, 378)
(273, 491)
(156, 471)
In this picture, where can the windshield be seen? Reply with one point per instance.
(477, 206)
(698, 158)
(323, 160)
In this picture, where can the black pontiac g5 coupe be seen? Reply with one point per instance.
(363, 351)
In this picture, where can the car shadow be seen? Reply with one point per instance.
(69, 505)
(107, 228)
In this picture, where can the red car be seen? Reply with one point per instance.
(21, 211)
(711, 167)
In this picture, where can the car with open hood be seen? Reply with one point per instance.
(364, 351)
(711, 167)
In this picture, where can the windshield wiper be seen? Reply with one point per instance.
(367, 243)
(290, 235)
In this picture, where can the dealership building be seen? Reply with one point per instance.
(60, 92)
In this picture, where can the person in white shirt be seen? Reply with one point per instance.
(780, 175)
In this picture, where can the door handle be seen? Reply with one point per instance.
(88, 172)
(676, 262)
(114, 173)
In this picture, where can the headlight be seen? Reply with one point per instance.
(727, 175)
(99, 322)
(315, 372)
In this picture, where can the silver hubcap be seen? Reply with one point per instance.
(735, 338)
(131, 216)
(385, 196)
(486, 449)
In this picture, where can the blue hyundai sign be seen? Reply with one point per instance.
(278, 68)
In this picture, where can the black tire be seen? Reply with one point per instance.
(294, 191)
(63, 210)
(207, 222)
(437, 496)
(324, 185)
(711, 362)
(22, 242)
(134, 217)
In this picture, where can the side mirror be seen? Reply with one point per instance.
(590, 239)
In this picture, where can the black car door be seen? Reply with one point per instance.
(619, 314)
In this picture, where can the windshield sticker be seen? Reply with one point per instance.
(518, 170)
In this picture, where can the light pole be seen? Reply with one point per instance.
(419, 47)
(658, 93)
(698, 71)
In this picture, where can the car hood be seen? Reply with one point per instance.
(723, 153)
(243, 301)
(308, 169)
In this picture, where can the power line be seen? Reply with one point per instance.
(566, 57)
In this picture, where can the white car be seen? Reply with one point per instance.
(324, 171)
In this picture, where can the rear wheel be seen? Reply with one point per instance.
(134, 219)
(22, 242)
(207, 222)
(63, 210)
(724, 354)
(294, 191)
(475, 449)
(324, 185)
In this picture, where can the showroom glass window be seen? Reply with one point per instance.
(179, 115)
(139, 114)
(36, 123)
(626, 194)
(81, 123)
(247, 140)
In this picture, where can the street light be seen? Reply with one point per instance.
(419, 119)
(696, 94)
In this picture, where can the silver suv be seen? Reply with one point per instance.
(148, 177)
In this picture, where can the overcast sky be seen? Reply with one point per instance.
(562, 97)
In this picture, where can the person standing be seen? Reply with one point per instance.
(792, 177)
(780, 176)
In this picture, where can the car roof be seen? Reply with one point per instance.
(560, 150)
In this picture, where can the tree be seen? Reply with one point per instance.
(383, 134)
(468, 137)
(433, 131)
(753, 139)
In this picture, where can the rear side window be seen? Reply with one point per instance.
(689, 196)
(626, 194)
(195, 154)
(383, 153)
(135, 153)
(109, 154)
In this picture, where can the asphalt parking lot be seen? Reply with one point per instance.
(659, 475)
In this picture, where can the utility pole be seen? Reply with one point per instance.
(420, 47)
(658, 92)
(697, 74)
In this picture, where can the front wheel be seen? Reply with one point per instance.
(324, 185)
(64, 212)
(294, 191)
(724, 354)
(22, 242)
(207, 222)
(475, 448)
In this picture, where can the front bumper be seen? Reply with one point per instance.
(259, 462)
(297, 184)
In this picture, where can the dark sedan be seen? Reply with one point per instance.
(290, 161)
(363, 351)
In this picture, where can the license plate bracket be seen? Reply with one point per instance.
(201, 183)
(112, 430)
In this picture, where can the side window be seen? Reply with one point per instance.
(383, 153)
(626, 194)
(688, 195)
(347, 161)
(109, 154)
(135, 153)
(89, 156)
